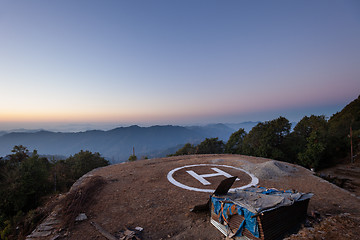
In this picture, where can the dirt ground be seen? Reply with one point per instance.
(139, 194)
(345, 175)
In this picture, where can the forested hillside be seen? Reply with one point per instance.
(26, 179)
(314, 143)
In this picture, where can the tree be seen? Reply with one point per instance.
(210, 146)
(25, 179)
(339, 129)
(356, 143)
(314, 152)
(132, 158)
(20, 153)
(307, 125)
(9, 188)
(35, 181)
(83, 162)
(11, 200)
(297, 141)
(61, 175)
(235, 143)
(266, 139)
(22, 185)
(187, 149)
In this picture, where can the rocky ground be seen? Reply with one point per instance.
(137, 200)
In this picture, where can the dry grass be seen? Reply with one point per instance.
(78, 200)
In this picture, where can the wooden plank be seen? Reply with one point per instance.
(103, 231)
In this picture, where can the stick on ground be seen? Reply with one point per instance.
(103, 231)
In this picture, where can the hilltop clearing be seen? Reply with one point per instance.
(139, 194)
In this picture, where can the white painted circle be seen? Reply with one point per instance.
(254, 179)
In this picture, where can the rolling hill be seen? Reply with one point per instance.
(117, 144)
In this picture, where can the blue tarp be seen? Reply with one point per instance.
(252, 201)
(222, 208)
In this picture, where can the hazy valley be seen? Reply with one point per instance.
(117, 144)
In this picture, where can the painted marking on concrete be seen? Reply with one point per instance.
(254, 180)
(201, 178)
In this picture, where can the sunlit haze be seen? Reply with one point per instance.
(71, 65)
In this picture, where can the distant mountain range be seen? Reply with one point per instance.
(117, 144)
(247, 126)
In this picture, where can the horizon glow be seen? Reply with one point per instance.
(179, 62)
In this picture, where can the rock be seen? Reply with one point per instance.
(81, 217)
(139, 229)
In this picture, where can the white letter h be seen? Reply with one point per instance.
(201, 178)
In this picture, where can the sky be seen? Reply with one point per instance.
(112, 63)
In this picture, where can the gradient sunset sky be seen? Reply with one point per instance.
(175, 61)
